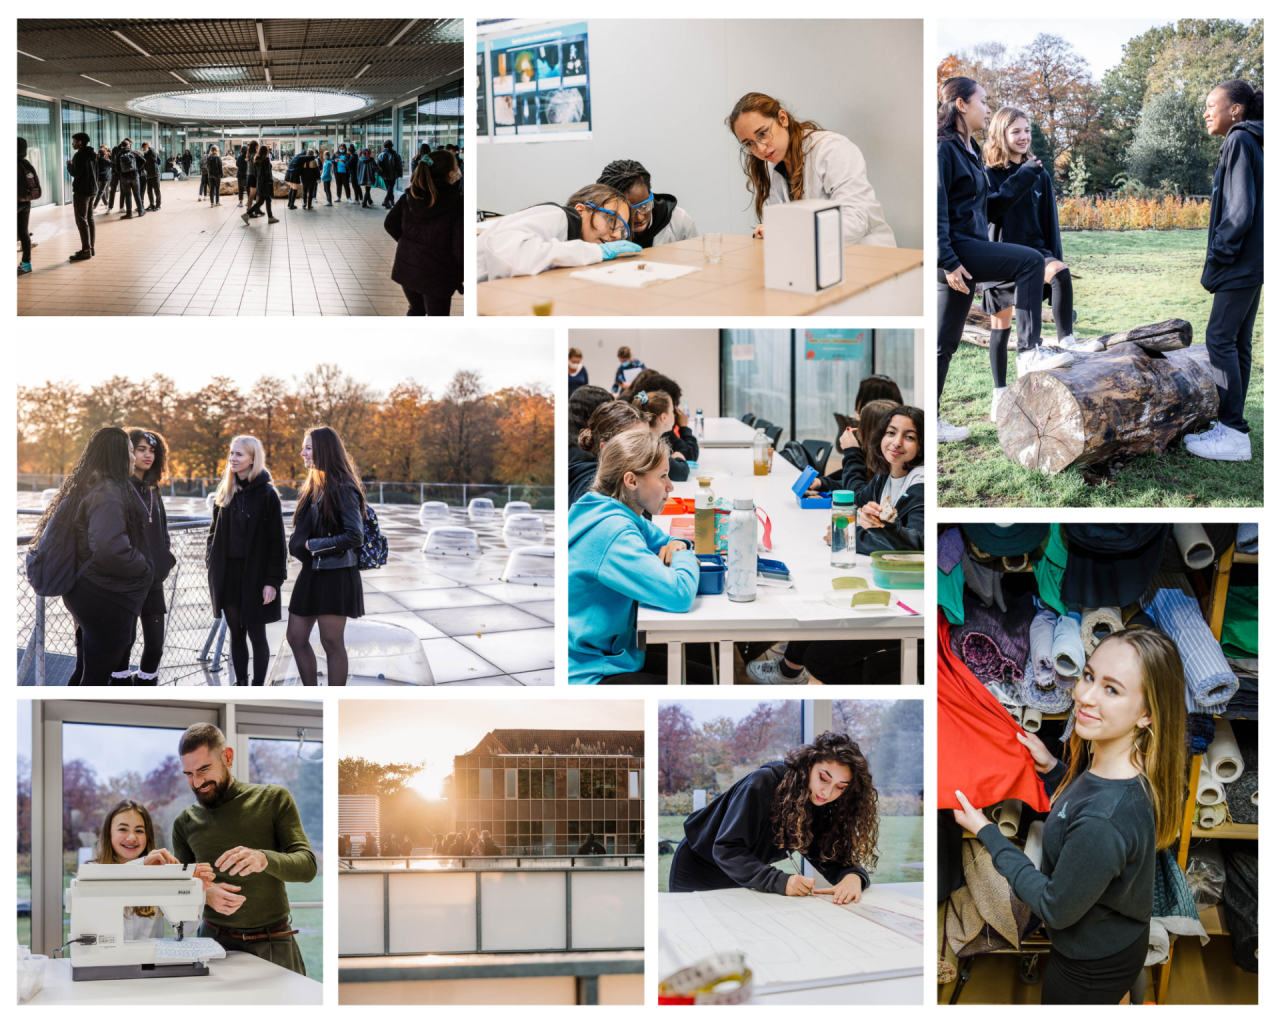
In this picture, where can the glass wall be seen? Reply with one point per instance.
(755, 375)
(37, 123)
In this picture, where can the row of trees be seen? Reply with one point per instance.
(1139, 127)
(465, 435)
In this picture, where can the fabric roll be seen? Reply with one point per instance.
(1210, 681)
(983, 581)
(1034, 848)
(1240, 901)
(1068, 647)
(1039, 688)
(1220, 535)
(1050, 568)
(1247, 538)
(1193, 544)
(1158, 944)
(1244, 702)
(950, 548)
(1173, 907)
(1226, 763)
(1199, 731)
(1209, 791)
(1240, 623)
(1032, 718)
(995, 645)
(1006, 539)
(1242, 799)
(1008, 816)
(1096, 624)
(1211, 815)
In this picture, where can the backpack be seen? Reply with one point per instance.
(51, 567)
(128, 162)
(31, 180)
(373, 552)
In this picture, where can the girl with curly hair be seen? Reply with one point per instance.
(819, 801)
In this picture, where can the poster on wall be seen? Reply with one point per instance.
(482, 98)
(835, 345)
(539, 82)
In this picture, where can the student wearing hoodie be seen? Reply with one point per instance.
(655, 219)
(242, 174)
(326, 177)
(1233, 264)
(426, 223)
(593, 226)
(583, 401)
(617, 559)
(264, 184)
(83, 167)
(819, 802)
(607, 421)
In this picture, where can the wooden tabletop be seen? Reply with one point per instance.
(733, 287)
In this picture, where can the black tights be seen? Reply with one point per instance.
(1062, 302)
(332, 628)
(152, 648)
(999, 352)
(241, 637)
(94, 669)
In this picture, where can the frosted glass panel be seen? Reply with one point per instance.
(359, 914)
(433, 913)
(522, 910)
(608, 910)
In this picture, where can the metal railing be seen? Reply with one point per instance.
(432, 862)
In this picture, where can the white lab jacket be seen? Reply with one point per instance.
(680, 227)
(529, 242)
(834, 169)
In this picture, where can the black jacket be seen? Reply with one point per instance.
(262, 173)
(116, 165)
(366, 171)
(681, 440)
(428, 241)
(390, 166)
(333, 545)
(1031, 220)
(107, 558)
(309, 170)
(582, 472)
(185, 160)
(104, 167)
(242, 164)
(906, 533)
(294, 171)
(663, 206)
(1234, 256)
(213, 167)
(965, 204)
(151, 161)
(735, 834)
(84, 172)
(264, 565)
(159, 548)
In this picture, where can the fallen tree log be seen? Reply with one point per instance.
(977, 326)
(1124, 401)
(1166, 336)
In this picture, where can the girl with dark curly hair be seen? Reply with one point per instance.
(819, 801)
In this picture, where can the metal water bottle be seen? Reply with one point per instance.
(740, 579)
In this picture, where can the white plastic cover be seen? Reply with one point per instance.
(451, 540)
(534, 567)
(431, 512)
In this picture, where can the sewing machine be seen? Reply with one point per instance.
(97, 900)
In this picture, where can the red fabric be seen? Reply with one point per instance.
(978, 750)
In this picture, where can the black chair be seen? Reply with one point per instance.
(765, 425)
(795, 454)
(749, 418)
(773, 433)
(819, 452)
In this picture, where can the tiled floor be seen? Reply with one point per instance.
(475, 630)
(191, 259)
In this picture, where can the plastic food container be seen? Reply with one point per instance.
(512, 508)
(898, 570)
(480, 508)
(682, 528)
(432, 512)
(533, 567)
(30, 976)
(711, 574)
(677, 506)
(456, 541)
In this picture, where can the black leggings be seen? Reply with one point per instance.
(332, 628)
(328, 192)
(264, 196)
(433, 303)
(990, 261)
(24, 236)
(1100, 982)
(242, 188)
(241, 637)
(1229, 339)
(104, 634)
(152, 647)
(654, 670)
(343, 180)
(999, 353)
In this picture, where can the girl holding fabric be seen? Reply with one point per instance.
(786, 159)
(1114, 805)
(819, 801)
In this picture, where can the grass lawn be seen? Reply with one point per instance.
(901, 843)
(1125, 278)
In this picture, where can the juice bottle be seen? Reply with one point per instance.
(760, 454)
(704, 518)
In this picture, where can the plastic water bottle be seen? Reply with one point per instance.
(740, 580)
(698, 424)
(844, 517)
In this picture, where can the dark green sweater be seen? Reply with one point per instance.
(262, 818)
(1094, 887)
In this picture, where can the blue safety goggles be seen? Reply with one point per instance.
(626, 228)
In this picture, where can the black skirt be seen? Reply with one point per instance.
(154, 603)
(998, 296)
(327, 592)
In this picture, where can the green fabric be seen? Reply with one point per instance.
(951, 594)
(262, 818)
(1050, 568)
(1240, 623)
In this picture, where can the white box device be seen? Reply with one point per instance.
(803, 246)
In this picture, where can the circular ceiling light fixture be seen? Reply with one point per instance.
(249, 104)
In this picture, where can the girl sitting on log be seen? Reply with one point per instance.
(1031, 220)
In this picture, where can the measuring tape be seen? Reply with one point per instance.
(720, 980)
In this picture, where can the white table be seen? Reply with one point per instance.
(724, 432)
(797, 541)
(241, 979)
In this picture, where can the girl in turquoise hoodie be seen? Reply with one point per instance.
(618, 558)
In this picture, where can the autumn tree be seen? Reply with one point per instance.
(395, 442)
(329, 396)
(213, 417)
(1052, 83)
(359, 775)
(526, 437)
(263, 412)
(462, 431)
(50, 434)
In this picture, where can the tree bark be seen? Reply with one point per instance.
(1166, 336)
(1123, 401)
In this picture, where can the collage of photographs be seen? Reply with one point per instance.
(1034, 603)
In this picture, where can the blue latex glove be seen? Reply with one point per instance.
(612, 249)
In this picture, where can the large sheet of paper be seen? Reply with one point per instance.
(639, 274)
(789, 942)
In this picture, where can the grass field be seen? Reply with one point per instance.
(901, 843)
(1121, 279)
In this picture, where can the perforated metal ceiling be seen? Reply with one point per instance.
(321, 53)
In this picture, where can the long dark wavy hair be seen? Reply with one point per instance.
(160, 466)
(105, 457)
(850, 829)
(331, 467)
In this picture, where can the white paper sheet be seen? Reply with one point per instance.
(812, 608)
(639, 273)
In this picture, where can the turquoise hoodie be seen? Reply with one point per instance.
(613, 564)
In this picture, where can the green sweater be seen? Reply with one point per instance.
(262, 818)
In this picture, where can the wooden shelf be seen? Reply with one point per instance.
(1241, 558)
(1227, 830)
(1213, 922)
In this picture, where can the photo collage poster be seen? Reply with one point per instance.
(540, 85)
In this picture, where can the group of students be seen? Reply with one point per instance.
(624, 452)
(107, 523)
(998, 229)
(784, 158)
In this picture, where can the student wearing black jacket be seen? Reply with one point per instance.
(103, 161)
(26, 173)
(83, 167)
(1233, 264)
(607, 419)
(965, 253)
(328, 532)
(820, 802)
(127, 165)
(426, 223)
(151, 168)
(390, 166)
(365, 176)
(242, 174)
(310, 174)
(213, 168)
(680, 437)
(265, 186)
(655, 219)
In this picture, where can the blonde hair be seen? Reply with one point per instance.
(1159, 750)
(633, 451)
(995, 148)
(228, 486)
(652, 405)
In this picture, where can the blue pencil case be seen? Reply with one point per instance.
(803, 482)
(771, 567)
(711, 574)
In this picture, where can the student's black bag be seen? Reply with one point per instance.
(373, 552)
(128, 162)
(52, 568)
(28, 182)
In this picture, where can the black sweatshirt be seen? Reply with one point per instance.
(664, 206)
(158, 547)
(1032, 219)
(965, 204)
(735, 833)
(1234, 255)
(1094, 887)
(582, 472)
(906, 533)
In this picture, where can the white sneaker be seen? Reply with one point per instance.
(1071, 344)
(1046, 357)
(996, 395)
(770, 673)
(1227, 445)
(1205, 435)
(946, 432)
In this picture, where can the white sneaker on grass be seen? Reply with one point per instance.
(1226, 445)
(996, 395)
(1046, 357)
(1072, 344)
(1205, 435)
(946, 432)
(769, 673)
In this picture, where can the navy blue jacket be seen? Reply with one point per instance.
(965, 203)
(1234, 256)
(1030, 220)
(582, 472)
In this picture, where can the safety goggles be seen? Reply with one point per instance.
(612, 218)
(644, 208)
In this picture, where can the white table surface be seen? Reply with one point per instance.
(725, 432)
(798, 541)
(240, 979)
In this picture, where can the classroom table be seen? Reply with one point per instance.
(797, 540)
(241, 979)
(877, 282)
(725, 432)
